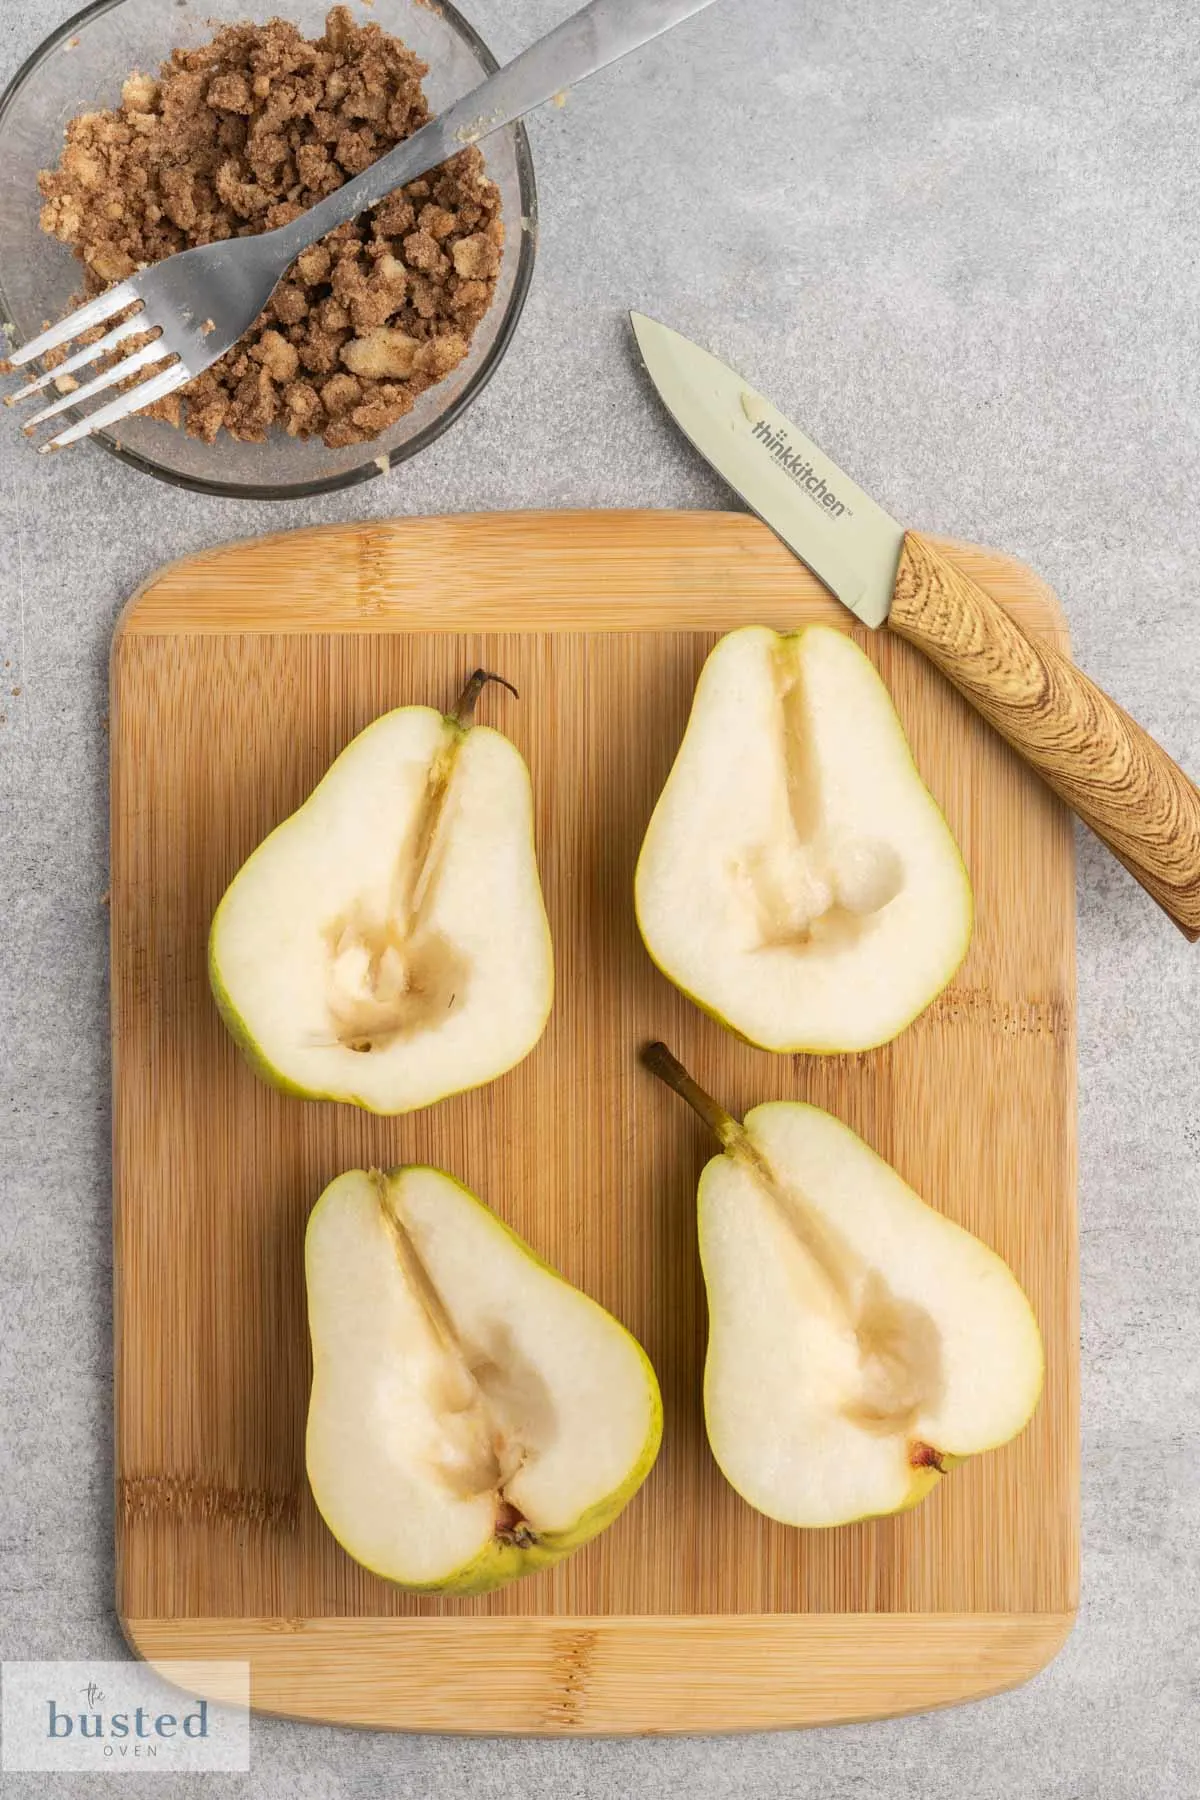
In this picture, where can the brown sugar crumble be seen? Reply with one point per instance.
(243, 135)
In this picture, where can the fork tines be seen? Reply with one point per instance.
(144, 393)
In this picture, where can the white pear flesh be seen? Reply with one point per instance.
(473, 1416)
(797, 878)
(388, 944)
(859, 1341)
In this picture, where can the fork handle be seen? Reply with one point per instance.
(1094, 756)
(589, 40)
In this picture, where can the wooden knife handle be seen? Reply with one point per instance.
(1094, 756)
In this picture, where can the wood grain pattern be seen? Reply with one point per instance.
(558, 571)
(236, 679)
(1094, 756)
(579, 1676)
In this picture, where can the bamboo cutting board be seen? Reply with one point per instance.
(236, 679)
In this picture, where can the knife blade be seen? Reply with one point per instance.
(1090, 752)
(835, 529)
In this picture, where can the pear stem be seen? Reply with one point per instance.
(825, 1250)
(464, 711)
(724, 1127)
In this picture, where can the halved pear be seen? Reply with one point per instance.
(388, 944)
(473, 1416)
(797, 879)
(860, 1343)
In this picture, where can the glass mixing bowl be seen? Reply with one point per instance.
(81, 67)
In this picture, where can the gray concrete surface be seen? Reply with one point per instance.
(961, 242)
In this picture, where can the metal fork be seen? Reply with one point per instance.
(199, 302)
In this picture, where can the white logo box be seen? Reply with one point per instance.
(109, 1717)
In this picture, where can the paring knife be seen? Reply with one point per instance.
(1094, 756)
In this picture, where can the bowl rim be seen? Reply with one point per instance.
(369, 470)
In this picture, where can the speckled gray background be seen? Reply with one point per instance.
(961, 243)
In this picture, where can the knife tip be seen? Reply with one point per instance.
(643, 326)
